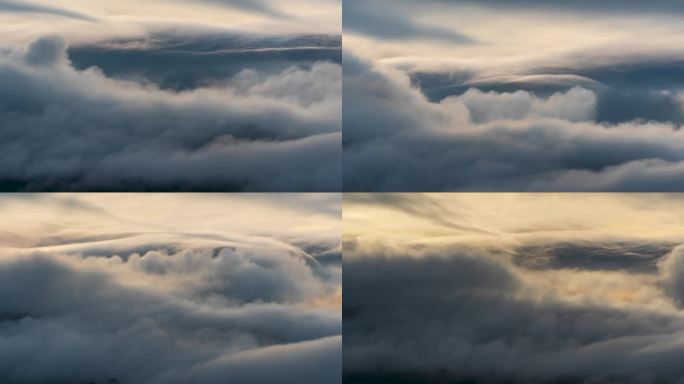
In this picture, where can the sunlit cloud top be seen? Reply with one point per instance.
(153, 288)
(512, 219)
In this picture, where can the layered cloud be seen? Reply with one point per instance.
(170, 288)
(145, 100)
(577, 289)
(536, 98)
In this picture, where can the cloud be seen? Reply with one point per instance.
(493, 141)
(158, 305)
(46, 51)
(484, 319)
(392, 22)
(586, 6)
(27, 7)
(192, 59)
(576, 288)
(69, 129)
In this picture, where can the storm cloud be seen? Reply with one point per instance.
(127, 291)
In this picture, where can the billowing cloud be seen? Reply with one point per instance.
(562, 288)
(495, 141)
(149, 101)
(126, 289)
(510, 111)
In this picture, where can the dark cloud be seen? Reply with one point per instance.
(464, 315)
(46, 51)
(616, 256)
(66, 129)
(395, 139)
(390, 21)
(158, 306)
(191, 60)
(27, 7)
(627, 89)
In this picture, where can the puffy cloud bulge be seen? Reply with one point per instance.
(579, 290)
(540, 97)
(235, 96)
(170, 289)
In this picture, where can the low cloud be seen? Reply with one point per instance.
(457, 312)
(494, 141)
(71, 129)
(157, 306)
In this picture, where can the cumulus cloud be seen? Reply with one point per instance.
(168, 300)
(494, 141)
(511, 111)
(71, 129)
(164, 96)
(428, 303)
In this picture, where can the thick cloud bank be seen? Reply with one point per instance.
(170, 96)
(396, 139)
(593, 106)
(79, 130)
(157, 289)
(445, 309)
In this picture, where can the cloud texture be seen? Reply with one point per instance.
(591, 108)
(560, 296)
(125, 289)
(145, 104)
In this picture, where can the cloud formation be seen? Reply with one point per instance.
(79, 130)
(127, 290)
(591, 108)
(495, 141)
(425, 302)
(140, 104)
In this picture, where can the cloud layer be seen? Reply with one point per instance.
(139, 103)
(126, 290)
(453, 305)
(591, 108)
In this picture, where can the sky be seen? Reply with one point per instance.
(170, 95)
(170, 288)
(513, 288)
(525, 95)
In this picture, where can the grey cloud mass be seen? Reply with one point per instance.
(147, 100)
(390, 21)
(582, 104)
(68, 129)
(495, 141)
(83, 302)
(587, 300)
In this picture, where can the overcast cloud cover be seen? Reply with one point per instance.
(505, 288)
(170, 95)
(513, 95)
(170, 289)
